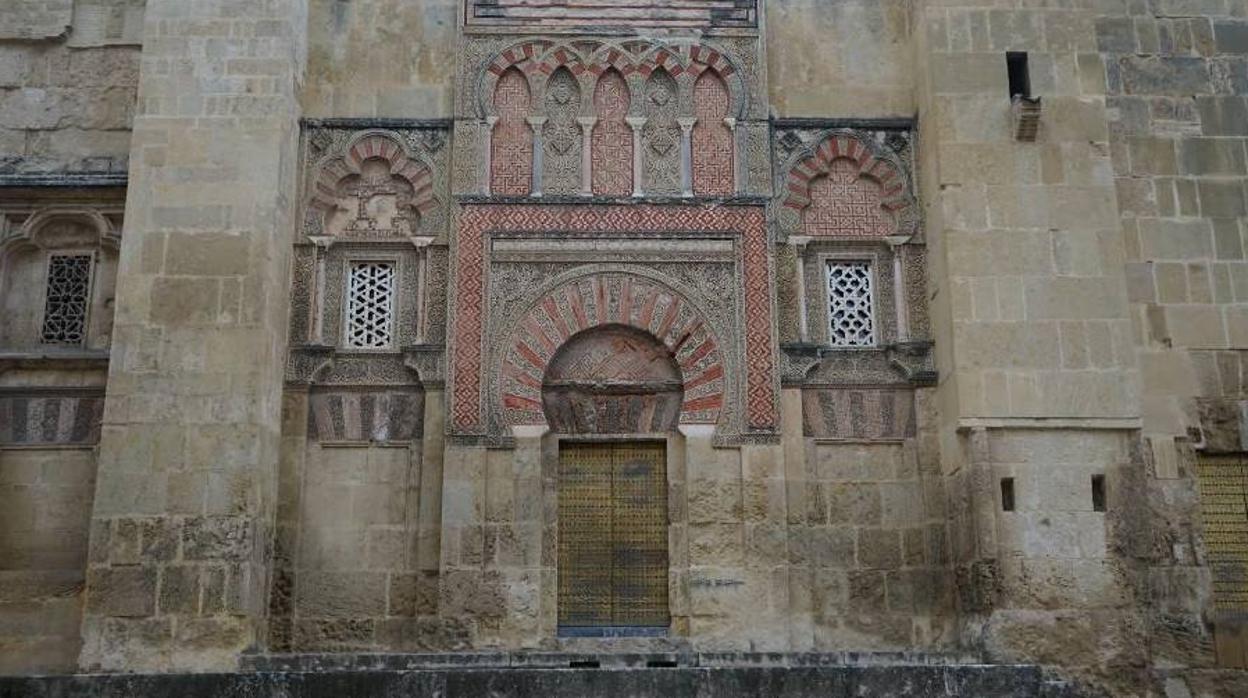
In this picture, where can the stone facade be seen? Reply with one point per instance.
(302, 301)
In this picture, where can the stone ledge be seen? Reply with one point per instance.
(77, 180)
(419, 661)
(917, 681)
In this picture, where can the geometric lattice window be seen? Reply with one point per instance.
(851, 304)
(68, 295)
(370, 305)
(1224, 512)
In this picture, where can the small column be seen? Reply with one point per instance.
(323, 243)
(799, 243)
(731, 123)
(587, 141)
(490, 121)
(686, 154)
(636, 123)
(536, 123)
(895, 246)
(422, 275)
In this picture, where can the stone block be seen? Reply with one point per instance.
(902, 504)
(858, 462)
(1153, 156)
(714, 501)
(867, 590)
(765, 546)
(386, 548)
(123, 592)
(1211, 156)
(853, 503)
(467, 594)
(879, 548)
(1074, 298)
(1058, 447)
(1195, 326)
(226, 538)
(378, 505)
(1165, 75)
(716, 544)
(1013, 344)
(1222, 198)
(1223, 116)
(1171, 280)
(125, 543)
(335, 634)
(179, 590)
(184, 300)
(413, 594)
(967, 73)
(342, 595)
(1115, 34)
(1231, 35)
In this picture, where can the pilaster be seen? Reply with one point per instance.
(181, 539)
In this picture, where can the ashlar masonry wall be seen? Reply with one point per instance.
(66, 105)
(1177, 93)
(185, 497)
(1039, 389)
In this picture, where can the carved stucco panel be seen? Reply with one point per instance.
(561, 135)
(661, 136)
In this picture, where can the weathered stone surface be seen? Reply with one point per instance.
(918, 681)
(1050, 335)
(35, 19)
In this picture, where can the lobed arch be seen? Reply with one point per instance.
(403, 164)
(838, 151)
(537, 59)
(594, 300)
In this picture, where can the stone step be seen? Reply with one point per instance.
(827, 681)
(589, 659)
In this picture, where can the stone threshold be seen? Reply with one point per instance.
(422, 661)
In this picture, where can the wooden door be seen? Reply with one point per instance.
(613, 535)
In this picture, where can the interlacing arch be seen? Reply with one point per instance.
(537, 59)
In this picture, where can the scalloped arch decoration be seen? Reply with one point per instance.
(326, 189)
(845, 172)
(539, 58)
